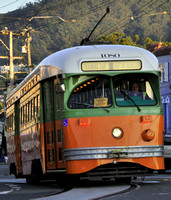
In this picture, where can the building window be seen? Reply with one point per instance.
(167, 115)
(164, 68)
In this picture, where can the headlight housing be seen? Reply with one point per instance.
(117, 132)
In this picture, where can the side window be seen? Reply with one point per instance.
(30, 109)
(35, 107)
(7, 124)
(25, 111)
(27, 115)
(38, 105)
(21, 116)
(10, 123)
(92, 93)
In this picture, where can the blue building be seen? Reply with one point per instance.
(164, 56)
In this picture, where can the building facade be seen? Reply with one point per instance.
(164, 57)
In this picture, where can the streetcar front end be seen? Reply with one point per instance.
(107, 128)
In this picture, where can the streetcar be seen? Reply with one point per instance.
(75, 115)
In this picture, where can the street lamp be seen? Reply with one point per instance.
(48, 17)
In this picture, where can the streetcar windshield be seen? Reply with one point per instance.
(94, 93)
(133, 90)
(129, 90)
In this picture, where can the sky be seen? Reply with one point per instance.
(10, 5)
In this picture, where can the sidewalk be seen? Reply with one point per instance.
(78, 193)
(88, 193)
(4, 171)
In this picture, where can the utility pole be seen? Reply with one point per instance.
(28, 39)
(10, 57)
(11, 60)
(27, 48)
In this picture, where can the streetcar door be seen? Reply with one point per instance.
(49, 125)
(17, 137)
(59, 107)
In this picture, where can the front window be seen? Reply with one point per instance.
(129, 90)
(133, 90)
(93, 93)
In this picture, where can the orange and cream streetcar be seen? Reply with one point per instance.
(88, 111)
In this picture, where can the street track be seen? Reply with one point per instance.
(132, 188)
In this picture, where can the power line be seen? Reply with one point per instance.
(38, 11)
(9, 4)
(128, 16)
(143, 6)
(150, 3)
(58, 6)
(89, 12)
(137, 17)
(14, 18)
(95, 9)
(38, 42)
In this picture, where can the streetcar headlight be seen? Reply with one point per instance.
(117, 132)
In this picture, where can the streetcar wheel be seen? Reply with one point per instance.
(33, 179)
(67, 180)
(123, 180)
(28, 179)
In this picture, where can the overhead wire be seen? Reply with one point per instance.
(15, 18)
(45, 1)
(97, 8)
(94, 9)
(80, 14)
(137, 17)
(128, 16)
(140, 9)
(8, 4)
(57, 6)
(90, 12)
(149, 3)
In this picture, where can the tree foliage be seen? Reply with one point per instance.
(1, 106)
(129, 22)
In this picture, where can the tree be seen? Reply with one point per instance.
(135, 20)
(1, 106)
(119, 38)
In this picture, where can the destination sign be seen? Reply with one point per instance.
(111, 65)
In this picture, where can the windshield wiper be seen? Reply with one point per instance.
(125, 94)
(90, 106)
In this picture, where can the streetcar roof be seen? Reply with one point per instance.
(69, 60)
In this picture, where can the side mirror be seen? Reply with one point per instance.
(60, 88)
